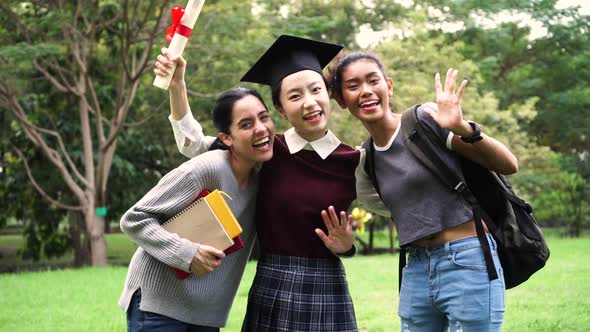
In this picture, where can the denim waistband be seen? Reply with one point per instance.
(451, 246)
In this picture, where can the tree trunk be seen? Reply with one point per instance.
(107, 226)
(574, 230)
(391, 228)
(364, 246)
(98, 244)
(371, 236)
(80, 240)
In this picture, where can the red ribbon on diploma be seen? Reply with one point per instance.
(176, 27)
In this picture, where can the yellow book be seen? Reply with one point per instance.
(223, 212)
(208, 220)
(199, 223)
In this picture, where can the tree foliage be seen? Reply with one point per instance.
(80, 117)
(89, 59)
(550, 69)
(567, 201)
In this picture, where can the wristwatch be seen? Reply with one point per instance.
(476, 134)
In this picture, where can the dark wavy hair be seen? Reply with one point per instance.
(223, 111)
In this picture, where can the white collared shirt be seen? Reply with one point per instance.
(323, 146)
(189, 128)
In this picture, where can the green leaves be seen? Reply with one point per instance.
(23, 51)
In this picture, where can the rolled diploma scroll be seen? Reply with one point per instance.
(178, 43)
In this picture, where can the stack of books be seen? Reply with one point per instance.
(208, 220)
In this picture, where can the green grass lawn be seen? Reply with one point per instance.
(555, 299)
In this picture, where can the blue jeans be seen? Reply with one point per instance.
(138, 320)
(447, 286)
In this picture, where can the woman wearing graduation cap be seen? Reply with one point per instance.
(300, 283)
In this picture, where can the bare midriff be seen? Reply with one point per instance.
(461, 231)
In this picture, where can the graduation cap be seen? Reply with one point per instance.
(288, 55)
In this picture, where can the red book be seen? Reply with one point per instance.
(238, 244)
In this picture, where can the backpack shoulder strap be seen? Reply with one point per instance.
(423, 144)
(369, 165)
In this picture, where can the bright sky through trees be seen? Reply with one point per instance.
(366, 37)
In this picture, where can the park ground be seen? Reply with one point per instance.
(555, 299)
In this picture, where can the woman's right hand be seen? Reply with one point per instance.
(163, 65)
(206, 260)
(340, 237)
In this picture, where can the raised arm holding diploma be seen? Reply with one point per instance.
(182, 25)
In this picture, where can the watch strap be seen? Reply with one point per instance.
(476, 136)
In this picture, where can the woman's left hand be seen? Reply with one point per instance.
(449, 114)
(340, 237)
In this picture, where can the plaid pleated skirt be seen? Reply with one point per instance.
(296, 294)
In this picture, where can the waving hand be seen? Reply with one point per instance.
(449, 114)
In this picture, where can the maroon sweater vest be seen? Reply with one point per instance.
(294, 189)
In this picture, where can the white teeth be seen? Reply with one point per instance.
(311, 115)
(262, 141)
(369, 103)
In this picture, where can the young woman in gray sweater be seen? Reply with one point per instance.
(153, 297)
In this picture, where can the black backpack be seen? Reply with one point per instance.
(521, 247)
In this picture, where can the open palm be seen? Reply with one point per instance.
(340, 237)
(449, 114)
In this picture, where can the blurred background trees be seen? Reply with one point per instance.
(80, 117)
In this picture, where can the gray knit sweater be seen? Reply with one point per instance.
(196, 300)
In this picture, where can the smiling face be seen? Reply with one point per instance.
(365, 90)
(251, 133)
(305, 102)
